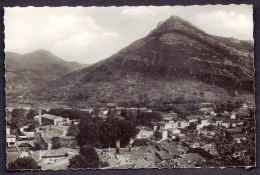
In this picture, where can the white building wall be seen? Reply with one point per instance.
(168, 125)
(164, 135)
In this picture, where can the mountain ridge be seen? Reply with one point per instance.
(24, 71)
(176, 53)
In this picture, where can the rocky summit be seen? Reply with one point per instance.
(175, 59)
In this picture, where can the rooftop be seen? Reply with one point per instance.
(233, 130)
(50, 131)
(161, 130)
(146, 128)
(168, 119)
(111, 105)
(172, 113)
(239, 135)
(164, 155)
(51, 117)
(162, 123)
(10, 136)
(87, 110)
(188, 160)
(192, 117)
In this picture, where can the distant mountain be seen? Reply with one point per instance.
(33, 69)
(175, 59)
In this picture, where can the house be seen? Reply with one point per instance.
(75, 121)
(161, 134)
(119, 110)
(44, 135)
(213, 113)
(66, 122)
(112, 108)
(174, 123)
(251, 105)
(10, 109)
(235, 123)
(224, 115)
(206, 110)
(192, 118)
(142, 109)
(199, 126)
(173, 114)
(168, 119)
(206, 105)
(88, 110)
(234, 130)
(68, 142)
(144, 132)
(239, 137)
(167, 116)
(164, 125)
(182, 136)
(233, 115)
(131, 111)
(218, 122)
(10, 140)
(8, 117)
(47, 119)
(28, 133)
(134, 110)
(149, 110)
(103, 113)
(183, 123)
(188, 161)
(203, 121)
(172, 131)
(163, 155)
(226, 123)
(245, 106)
(155, 126)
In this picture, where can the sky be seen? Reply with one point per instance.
(90, 34)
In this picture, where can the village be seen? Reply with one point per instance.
(173, 142)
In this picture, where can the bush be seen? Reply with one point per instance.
(140, 142)
(24, 163)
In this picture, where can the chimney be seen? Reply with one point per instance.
(40, 116)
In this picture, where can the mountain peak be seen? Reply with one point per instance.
(42, 52)
(42, 55)
(176, 23)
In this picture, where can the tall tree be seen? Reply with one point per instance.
(89, 133)
(73, 130)
(122, 112)
(88, 158)
(31, 114)
(18, 118)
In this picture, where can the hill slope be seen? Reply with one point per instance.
(33, 69)
(175, 59)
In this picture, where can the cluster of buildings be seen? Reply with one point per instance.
(195, 135)
(112, 109)
(51, 130)
(172, 142)
(171, 126)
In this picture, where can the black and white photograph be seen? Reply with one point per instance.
(129, 87)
